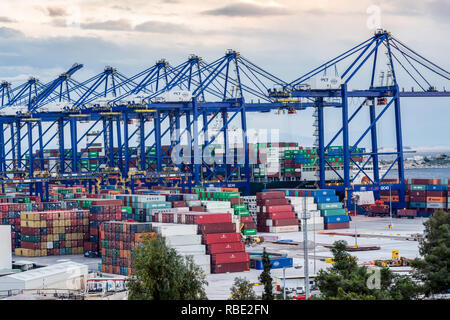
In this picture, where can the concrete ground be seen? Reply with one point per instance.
(377, 228)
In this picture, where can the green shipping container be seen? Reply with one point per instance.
(332, 205)
(249, 232)
(332, 212)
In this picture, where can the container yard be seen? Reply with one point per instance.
(93, 169)
(101, 231)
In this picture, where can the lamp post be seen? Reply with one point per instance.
(355, 199)
(390, 207)
(305, 218)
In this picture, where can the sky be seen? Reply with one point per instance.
(42, 38)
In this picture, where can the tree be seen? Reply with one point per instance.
(162, 274)
(432, 270)
(265, 278)
(346, 280)
(242, 289)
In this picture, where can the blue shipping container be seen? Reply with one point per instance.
(277, 263)
(325, 199)
(336, 219)
(437, 187)
(415, 205)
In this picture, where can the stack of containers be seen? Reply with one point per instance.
(222, 241)
(186, 241)
(302, 203)
(142, 204)
(53, 233)
(292, 167)
(332, 211)
(100, 210)
(274, 213)
(335, 217)
(417, 196)
(436, 196)
(119, 240)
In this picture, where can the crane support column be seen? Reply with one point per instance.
(246, 155)
(19, 145)
(398, 131)
(157, 124)
(125, 137)
(345, 142)
(374, 140)
(2, 148)
(119, 144)
(142, 142)
(62, 155)
(196, 150)
(13, 145)
(74, 144)
(225, 145)
(111, 143)
(41, 146)
(320, 120)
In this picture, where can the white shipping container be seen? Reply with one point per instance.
(283, 229)
(216, 204)
(199, 259)
(221, 210)
(269, 223)
(5, 247)
(194, 203)
(167, 229)
(191, 249)
(183, 240)
(206, 268)
(300, 200)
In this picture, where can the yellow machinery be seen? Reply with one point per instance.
(249, 240)
(396, 261)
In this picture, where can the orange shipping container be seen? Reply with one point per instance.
(437, 199)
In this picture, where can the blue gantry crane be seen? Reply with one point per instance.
(375, 98)
(135, 117)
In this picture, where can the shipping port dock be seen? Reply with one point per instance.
(89, 168)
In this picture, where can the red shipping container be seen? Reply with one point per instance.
(272, 202)
(236, 201)
(225, 247)
(340, 225)
(284, 222)
(417, 199)
(247, 219)
(436, 193)
(270, 195)
(197, 209)
(230, 257)
(249, 225)
(271, 209)
(279, 215)
(217, 228)
(211, 238)
(178, 204)
(418, 193)
(201, 218)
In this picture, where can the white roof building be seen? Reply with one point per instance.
(67, 275)
(5, 247)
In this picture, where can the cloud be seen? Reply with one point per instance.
(242, 9)
(9, 33)
(6, 20)
(439, 9)
(56, 12)
(117, 25)
(160, 27)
